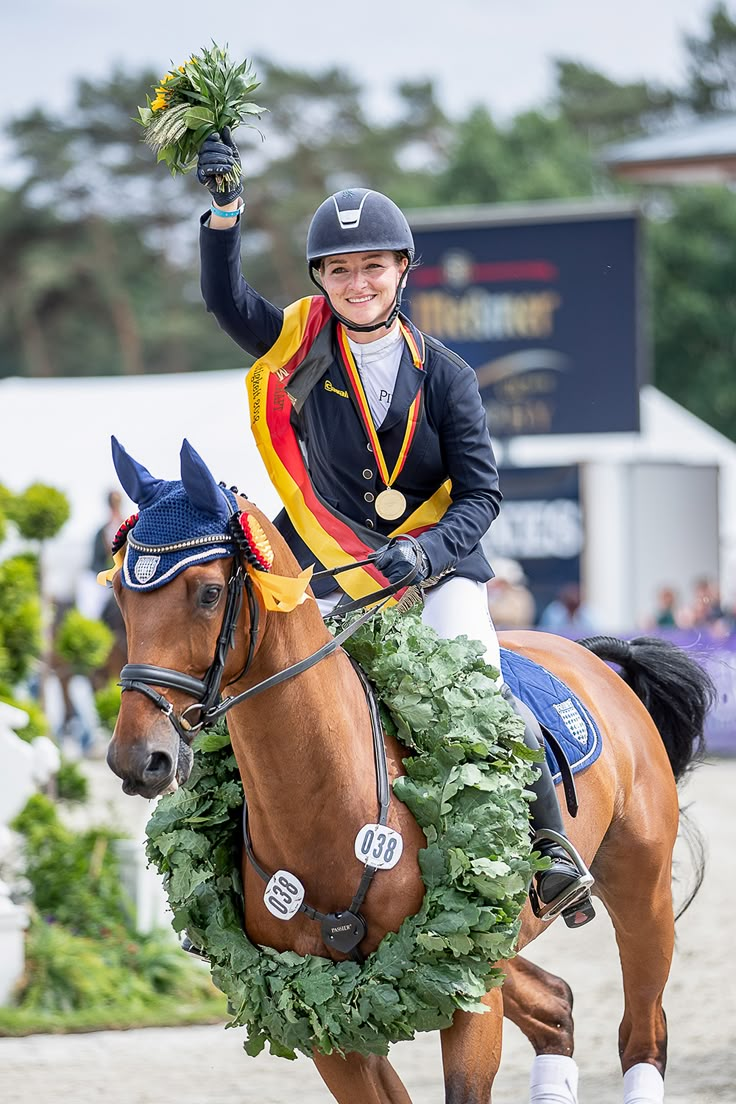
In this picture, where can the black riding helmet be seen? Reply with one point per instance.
(358, 220)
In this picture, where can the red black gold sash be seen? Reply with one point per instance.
(334, 539)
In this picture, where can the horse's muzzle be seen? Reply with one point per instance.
(150, 772)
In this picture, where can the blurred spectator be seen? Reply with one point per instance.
(101, 554)
(705, 610)
(91, 599)
(566, 614)
(510, 601)
(666, 614)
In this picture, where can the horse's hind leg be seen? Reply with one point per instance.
(540, 1004)
(471, 1053)
(636, 886)
(359, 1079)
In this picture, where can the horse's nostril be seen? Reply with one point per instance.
(159, 765)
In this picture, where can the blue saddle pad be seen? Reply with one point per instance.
(557, 708)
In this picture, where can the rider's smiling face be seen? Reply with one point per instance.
(362, 286)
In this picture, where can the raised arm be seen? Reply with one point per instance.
(250, 320)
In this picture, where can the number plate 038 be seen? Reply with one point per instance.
(378, 846)
(284, 894)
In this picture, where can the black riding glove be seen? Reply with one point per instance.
(217, 157)
(396, 559)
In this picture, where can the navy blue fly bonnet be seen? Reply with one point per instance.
(180, 522)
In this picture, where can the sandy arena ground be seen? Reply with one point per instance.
(205, 1065)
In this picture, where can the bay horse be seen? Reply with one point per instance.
(305, 754)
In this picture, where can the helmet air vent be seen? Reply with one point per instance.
(349, 217)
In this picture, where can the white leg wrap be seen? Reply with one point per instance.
(643, 1084)
(554, 1080)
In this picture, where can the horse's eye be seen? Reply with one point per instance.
(210, 595)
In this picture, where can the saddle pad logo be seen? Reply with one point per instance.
(573, 722)
(145, 568)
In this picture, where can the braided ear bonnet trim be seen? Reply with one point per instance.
(122, 534)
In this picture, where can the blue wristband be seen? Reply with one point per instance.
(226, 214)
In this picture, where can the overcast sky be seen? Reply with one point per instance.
(495, 52)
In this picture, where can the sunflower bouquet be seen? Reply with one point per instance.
(192, 101)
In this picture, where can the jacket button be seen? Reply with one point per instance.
(368, 496)
(367, 473)
(369, 522)
(369, 446)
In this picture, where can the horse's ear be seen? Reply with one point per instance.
(200, 485)
(137, 482)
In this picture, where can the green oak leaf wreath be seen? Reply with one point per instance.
(467, 770)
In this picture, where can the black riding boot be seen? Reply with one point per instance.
(564, 876)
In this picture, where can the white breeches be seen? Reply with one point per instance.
(460, 608)
(457, 608)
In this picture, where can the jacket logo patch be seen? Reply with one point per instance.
(329, 386)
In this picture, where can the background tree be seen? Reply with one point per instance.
(537, 156)
(712, 65)
(602, 110)
(693, 289)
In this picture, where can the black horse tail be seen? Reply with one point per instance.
(677, 694)
(675, 690)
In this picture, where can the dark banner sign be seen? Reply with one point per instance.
(541, 527)
(544, 309)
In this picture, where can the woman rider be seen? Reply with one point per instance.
(361, 421)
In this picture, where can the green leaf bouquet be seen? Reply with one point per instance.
(192, 101)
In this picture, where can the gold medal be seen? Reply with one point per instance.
(390, 504)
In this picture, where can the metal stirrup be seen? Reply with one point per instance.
(578, 890)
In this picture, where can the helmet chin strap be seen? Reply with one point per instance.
(375, 325)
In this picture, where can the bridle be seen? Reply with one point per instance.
(144, 677)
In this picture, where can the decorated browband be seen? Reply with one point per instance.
(244, 528)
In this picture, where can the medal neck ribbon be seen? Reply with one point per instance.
(364, 410)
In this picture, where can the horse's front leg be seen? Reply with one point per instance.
(471, 1053)
(359, 1079)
